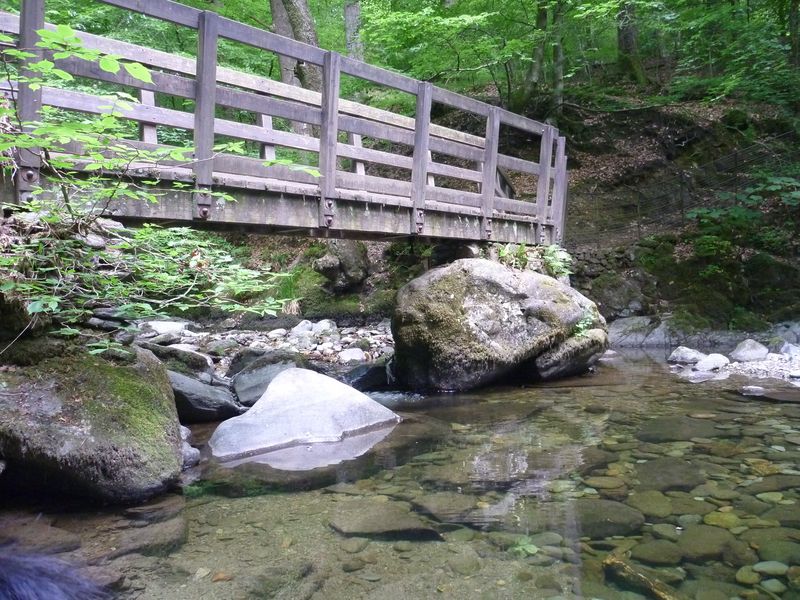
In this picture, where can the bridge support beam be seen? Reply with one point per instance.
(545, 168)
(489, 172)
(205, 105)
(328, 138)
(29, 102)
(419, 168)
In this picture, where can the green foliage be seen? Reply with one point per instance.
(53, 269)
(513, 255)
(155, 271)
(584, 325)
(557, 261)
(523, 548)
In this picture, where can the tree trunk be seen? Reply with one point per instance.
(352, 29)
(304, 30)
(534, 74)
(794, 33)
(628, 59)
(558, 57)
(281, 26)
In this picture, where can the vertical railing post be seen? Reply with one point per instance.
(147, 131)
(419, 170)
(545, 168)
(29, 102)
(329, 137)
(267, 151)
(205, 105)
(557, 210)
(489, 175)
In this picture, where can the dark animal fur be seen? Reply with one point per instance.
(26, 576)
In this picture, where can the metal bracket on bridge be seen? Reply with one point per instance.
(419, 220)
(25, 181)
(486, 230)
(202, 204)
(327, 212)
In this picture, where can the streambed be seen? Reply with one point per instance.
(522, 497)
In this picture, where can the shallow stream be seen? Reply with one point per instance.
(521, 494)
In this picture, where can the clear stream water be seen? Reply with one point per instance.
(516, 492)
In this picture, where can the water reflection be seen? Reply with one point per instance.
(531, 489)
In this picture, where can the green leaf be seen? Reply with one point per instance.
(137, 71)
(109, 64)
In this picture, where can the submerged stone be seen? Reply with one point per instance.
(674, 429)
(668, 473)
(701, 543)
(371, 519)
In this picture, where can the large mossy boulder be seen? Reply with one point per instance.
(81, 425)
(474, 321)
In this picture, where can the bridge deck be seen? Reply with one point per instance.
(379, 173)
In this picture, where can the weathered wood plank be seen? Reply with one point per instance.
(559, 203)
(489, 176)
(329, 132)
(460, 102)
(363, 70)
(267, 151)
(29, 101)
(545, 162)
(179, 64)
(205, 106)
(147, 131)
(522, 123)
(161, 9)
(355, 140)
(419, 171)
(517, 164)
(272, 42)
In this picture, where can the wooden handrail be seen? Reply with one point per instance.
(266, 99)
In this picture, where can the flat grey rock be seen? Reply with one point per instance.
(300, 407)
(368, 518)
(686, 356)
(749, 350)
(198, 402)
(712, 362)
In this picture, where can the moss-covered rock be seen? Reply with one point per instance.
(471, 322)
(84, 426)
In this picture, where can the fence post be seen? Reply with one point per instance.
(543, 187)
(29, 102)
(489, 176)
(558, 209)
(328, 137)
(419, 170)
(205, 104)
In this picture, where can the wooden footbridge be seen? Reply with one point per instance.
(380, 174)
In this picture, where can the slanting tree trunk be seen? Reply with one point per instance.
(534, 75)
(304, 30)
(558, 57)
(794, 33)
(352, 29)
(281, 26)
(628, 59)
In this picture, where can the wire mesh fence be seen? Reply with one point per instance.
(648, 212)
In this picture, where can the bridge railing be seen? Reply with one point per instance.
(471, 161)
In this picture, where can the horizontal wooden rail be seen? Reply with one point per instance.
(410, 158)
